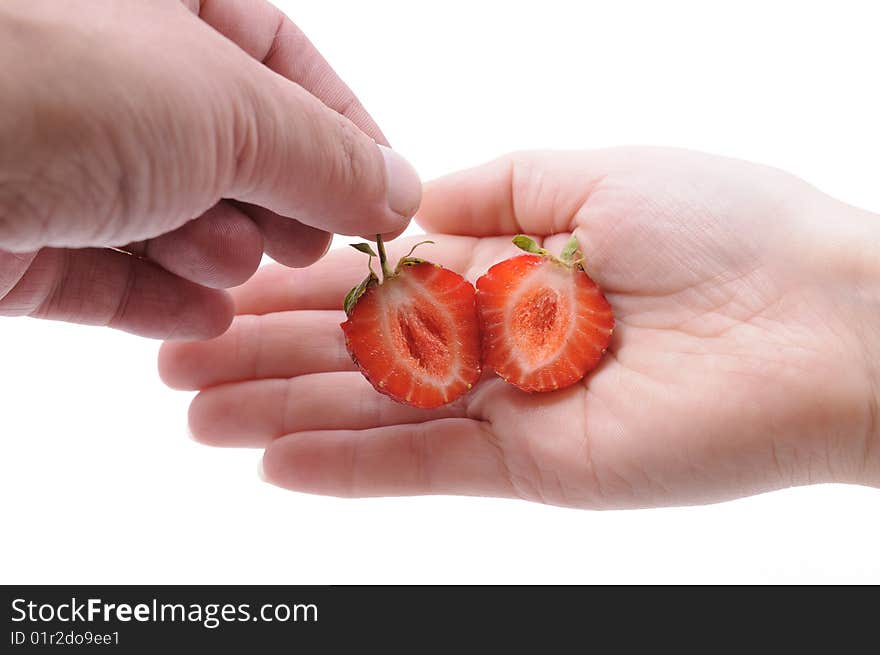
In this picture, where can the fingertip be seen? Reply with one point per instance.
(201, 420)
(292, 463)
(333, 177)
(171, 362)
(477, 201)
(312, 245)
(227, 416)
(177, 361)
(271, 469)
(288, 241)
(233, 252)
(403, 185)
(437, 204)
(388, 461)
(220, 249)
(207, 314)
(183, 354)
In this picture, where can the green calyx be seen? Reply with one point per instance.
(569, 257)
(355, 294)
(372, 279)
(408, 259)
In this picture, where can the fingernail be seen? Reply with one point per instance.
(403, 186)
(261, 473)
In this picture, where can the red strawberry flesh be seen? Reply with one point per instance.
(416, 336)
(545, 324)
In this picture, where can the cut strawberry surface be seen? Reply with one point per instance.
(415, 336)
(545, 323)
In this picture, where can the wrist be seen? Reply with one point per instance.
(856, 257)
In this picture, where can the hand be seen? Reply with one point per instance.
(744, 357)
(149, 156)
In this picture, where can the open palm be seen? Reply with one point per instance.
(729, 323)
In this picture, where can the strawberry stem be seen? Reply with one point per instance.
(383, 258)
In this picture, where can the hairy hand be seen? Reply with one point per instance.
(151, 152)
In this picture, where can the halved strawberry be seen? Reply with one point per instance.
(545, 323)
(415, 335)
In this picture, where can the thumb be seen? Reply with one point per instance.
(535, 192)
(299, 158)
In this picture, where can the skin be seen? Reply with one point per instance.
(153, 151)
(744, 358)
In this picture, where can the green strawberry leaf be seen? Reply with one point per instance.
(528, 244)
(355, 294)
(350, 299)
(365, 248)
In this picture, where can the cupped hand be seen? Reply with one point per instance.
(742, 360)
(153, 150)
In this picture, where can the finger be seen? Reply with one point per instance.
(324, 285)
(251, 414)
(266, 34)
(446, 456)
(279, 345)
(292, 243)
(532, 192)
(286, 240)
(320, 167)
(297, 157)
(108, 287)
(220, 249)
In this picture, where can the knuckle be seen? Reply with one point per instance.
(351, 164)
(249, 136)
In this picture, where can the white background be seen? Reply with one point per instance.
(98, 482)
